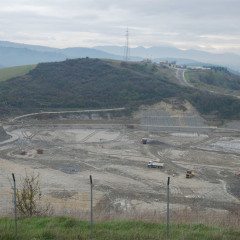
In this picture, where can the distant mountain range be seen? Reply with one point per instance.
(13, 54)
(16, 54)
(229, 60)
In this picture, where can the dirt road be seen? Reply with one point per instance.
(180, 74)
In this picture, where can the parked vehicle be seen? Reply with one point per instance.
(153, 164)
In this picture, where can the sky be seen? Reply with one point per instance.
(211, 25)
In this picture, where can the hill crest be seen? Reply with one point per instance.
(93, 83)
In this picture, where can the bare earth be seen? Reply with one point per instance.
(114, 155)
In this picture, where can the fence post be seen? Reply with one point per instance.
(91, 208)
(15, 203)
(168, 199)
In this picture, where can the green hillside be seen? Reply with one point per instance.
(216, 78)
(93, 83)
(11, 72)
(63, 228)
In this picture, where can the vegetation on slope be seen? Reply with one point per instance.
(84, 83)
(216, 77)
(63, 228)
(11, 72)
(93, 83)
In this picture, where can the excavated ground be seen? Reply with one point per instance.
(114, 155)
(117, 160)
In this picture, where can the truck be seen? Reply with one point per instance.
(153, 164)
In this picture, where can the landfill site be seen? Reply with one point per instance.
(130, 160)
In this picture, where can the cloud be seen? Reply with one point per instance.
(213, 24)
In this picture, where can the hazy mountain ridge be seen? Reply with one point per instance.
(12, 54)
(230, 60)
(27, 46)
(79, 52)
(16, 54)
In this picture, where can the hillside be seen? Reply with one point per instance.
(7, 73)
(93, 83)
(218, 78)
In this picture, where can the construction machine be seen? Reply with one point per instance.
(237, 174)
(189, 174)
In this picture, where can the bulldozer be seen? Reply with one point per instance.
(189, 174)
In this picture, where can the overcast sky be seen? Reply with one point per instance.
(212, 25)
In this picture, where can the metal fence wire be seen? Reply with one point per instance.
(93, 206)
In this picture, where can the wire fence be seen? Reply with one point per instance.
(197, 209)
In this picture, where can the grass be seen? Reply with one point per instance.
(11, 72)
(62, 228)
(216, 80)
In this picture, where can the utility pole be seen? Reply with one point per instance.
(168, 199)
(91, 207)
(15, 203)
